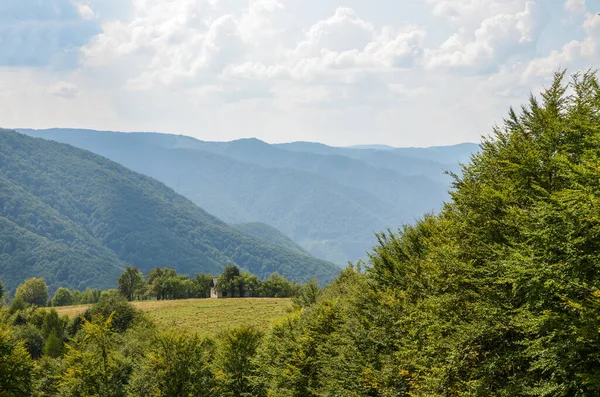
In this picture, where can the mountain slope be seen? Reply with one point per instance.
(330, 220)
(108, 216)
(269, 233)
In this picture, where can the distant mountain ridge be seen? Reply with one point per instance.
(329, 200)
(77, 219)
(372, 147)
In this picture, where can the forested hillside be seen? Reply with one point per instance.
(329, 200)
(76, 219)
(269, 233)
(498, 295)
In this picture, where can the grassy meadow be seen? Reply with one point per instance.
(206, 316)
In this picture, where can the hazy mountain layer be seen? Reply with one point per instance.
(329, 200)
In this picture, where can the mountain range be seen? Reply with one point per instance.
(77, 219)
(329, 200)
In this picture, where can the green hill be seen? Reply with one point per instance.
(77, 218)
(331, 201)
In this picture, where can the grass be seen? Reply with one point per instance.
(206, 316)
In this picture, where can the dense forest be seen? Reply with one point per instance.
(77, 219)
(497, 295)
(329, 200)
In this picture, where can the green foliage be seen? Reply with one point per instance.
(308, 294)
(497, 295)
(236, 370)
(62, 297)
(130, 283)
(95, 367)
(277, 286)
(158, 282)
(33, 339)
(46, 376)
(175, 365)
(114, 306)
(16, 305)
(202, 285)
(52, 324)
(16, 367)
(232, 283)
(53, 346)
(33, 291)
(228, 280)
(86, 297)
(1, 292)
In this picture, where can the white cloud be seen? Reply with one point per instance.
(497, 39)
(575, 6)
(469, 14)
(64, 89)
(576, 54)
(405, 92)
(85, 11)
(339, 72)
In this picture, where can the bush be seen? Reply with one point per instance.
(33, 339)
(124, 314)
(62, 297)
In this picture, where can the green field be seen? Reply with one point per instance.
(206, 316)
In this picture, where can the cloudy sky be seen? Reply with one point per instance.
(343, 72)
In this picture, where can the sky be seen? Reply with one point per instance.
(341, 72)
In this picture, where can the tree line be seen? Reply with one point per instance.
(165, 283)
(160, 284)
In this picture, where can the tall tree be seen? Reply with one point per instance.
(33, 291)
(129, 282)
(62, 297)
(228, 279)
(175, 365)
(16, 367)
(95, 367)
(158, 280)
(235, 363)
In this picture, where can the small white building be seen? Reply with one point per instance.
(214, 291)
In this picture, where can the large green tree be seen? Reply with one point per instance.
(16, 367)
(33, 291)
(130, 282)
(176, 365)
(236, 369)
(62, 297)
(94, 365)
